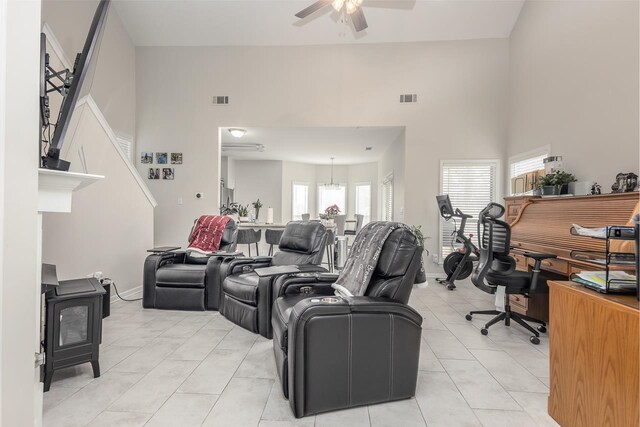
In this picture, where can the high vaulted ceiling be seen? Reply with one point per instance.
(272, 22)
(316, 145)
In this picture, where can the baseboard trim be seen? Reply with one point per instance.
(129, 294)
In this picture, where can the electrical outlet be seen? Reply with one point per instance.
(435, 258)
(199, 196)
(179, 200)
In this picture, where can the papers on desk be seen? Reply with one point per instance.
(598, 280)
(600, 232)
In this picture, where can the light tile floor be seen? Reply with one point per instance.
(172, 368)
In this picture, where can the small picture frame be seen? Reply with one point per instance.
(176, 158)
(161, 158)
(168, 173)
(146, 157)
(154, 173)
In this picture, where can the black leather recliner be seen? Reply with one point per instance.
(247, 297)
(337, 352)
(179, 281)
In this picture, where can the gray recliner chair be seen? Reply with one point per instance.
(179, 281)
(247, 297)
(335, 352)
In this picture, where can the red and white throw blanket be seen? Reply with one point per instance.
(207, 233)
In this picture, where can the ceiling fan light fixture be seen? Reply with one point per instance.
(353, 5)
(238, 133)
(337, 4)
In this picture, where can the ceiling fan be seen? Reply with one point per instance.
(353, 8)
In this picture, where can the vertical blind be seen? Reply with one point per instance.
(387, 198)
(470, 186)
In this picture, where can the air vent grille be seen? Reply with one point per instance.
(221, 100)
(408, 98)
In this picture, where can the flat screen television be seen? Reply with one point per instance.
(71, 85)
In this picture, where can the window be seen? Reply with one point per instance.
(332, 196)
(471, 185)
(387, 198)
(527, 162)
(363, 201)
(299, 200)
(126, 145)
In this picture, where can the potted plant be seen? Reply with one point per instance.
(329, 214)
(256, 206)
(230, 210)
(243, 213)
(555, 183)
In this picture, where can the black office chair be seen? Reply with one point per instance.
(496, 268)
(249, 236)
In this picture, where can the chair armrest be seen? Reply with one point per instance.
(539, 256)
(241, 265)
(151, 264)
(316, 282)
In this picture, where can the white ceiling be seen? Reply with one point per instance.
(316, 145)
(272, 22)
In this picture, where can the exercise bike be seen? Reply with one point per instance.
(458, 265)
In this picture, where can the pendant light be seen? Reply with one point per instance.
(332, 185)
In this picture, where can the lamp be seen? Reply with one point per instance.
(238, 133)
(352, 5)
(332, 185)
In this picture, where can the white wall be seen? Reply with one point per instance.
(574, 85)
(114, 80)
(461, 111)
(393, 162)
(259, 179)
(111, 223)
(110, 226)
(19, 285)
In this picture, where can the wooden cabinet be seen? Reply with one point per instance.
(594, 363)
(513, 205)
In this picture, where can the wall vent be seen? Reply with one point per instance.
(409, 98)
(221, 100)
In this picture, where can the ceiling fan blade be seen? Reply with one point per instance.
(313, 8)
(358, 19)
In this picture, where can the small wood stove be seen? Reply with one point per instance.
(73, 328)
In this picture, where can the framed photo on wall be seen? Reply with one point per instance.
(161, 158)
(176, 158)
(146, 157)
(167, 173)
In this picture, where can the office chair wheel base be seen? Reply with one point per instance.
(468, 317)
(534, 340)
(542, 329)
(484, 331)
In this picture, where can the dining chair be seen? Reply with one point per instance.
(306, 217)
(341, 222)
(359, 220)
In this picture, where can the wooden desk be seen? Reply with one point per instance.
(540, 224)
(594, 359)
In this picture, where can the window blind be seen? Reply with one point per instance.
(363, 201)
(387, 198)
(470, 186)
(300, 201)
(527, 165)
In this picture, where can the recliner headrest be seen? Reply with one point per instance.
(303, 237)
(396, 254)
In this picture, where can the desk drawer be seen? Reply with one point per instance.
(519, 303)
(553, 264)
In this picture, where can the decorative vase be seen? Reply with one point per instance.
(244, 219)
(257, 214)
